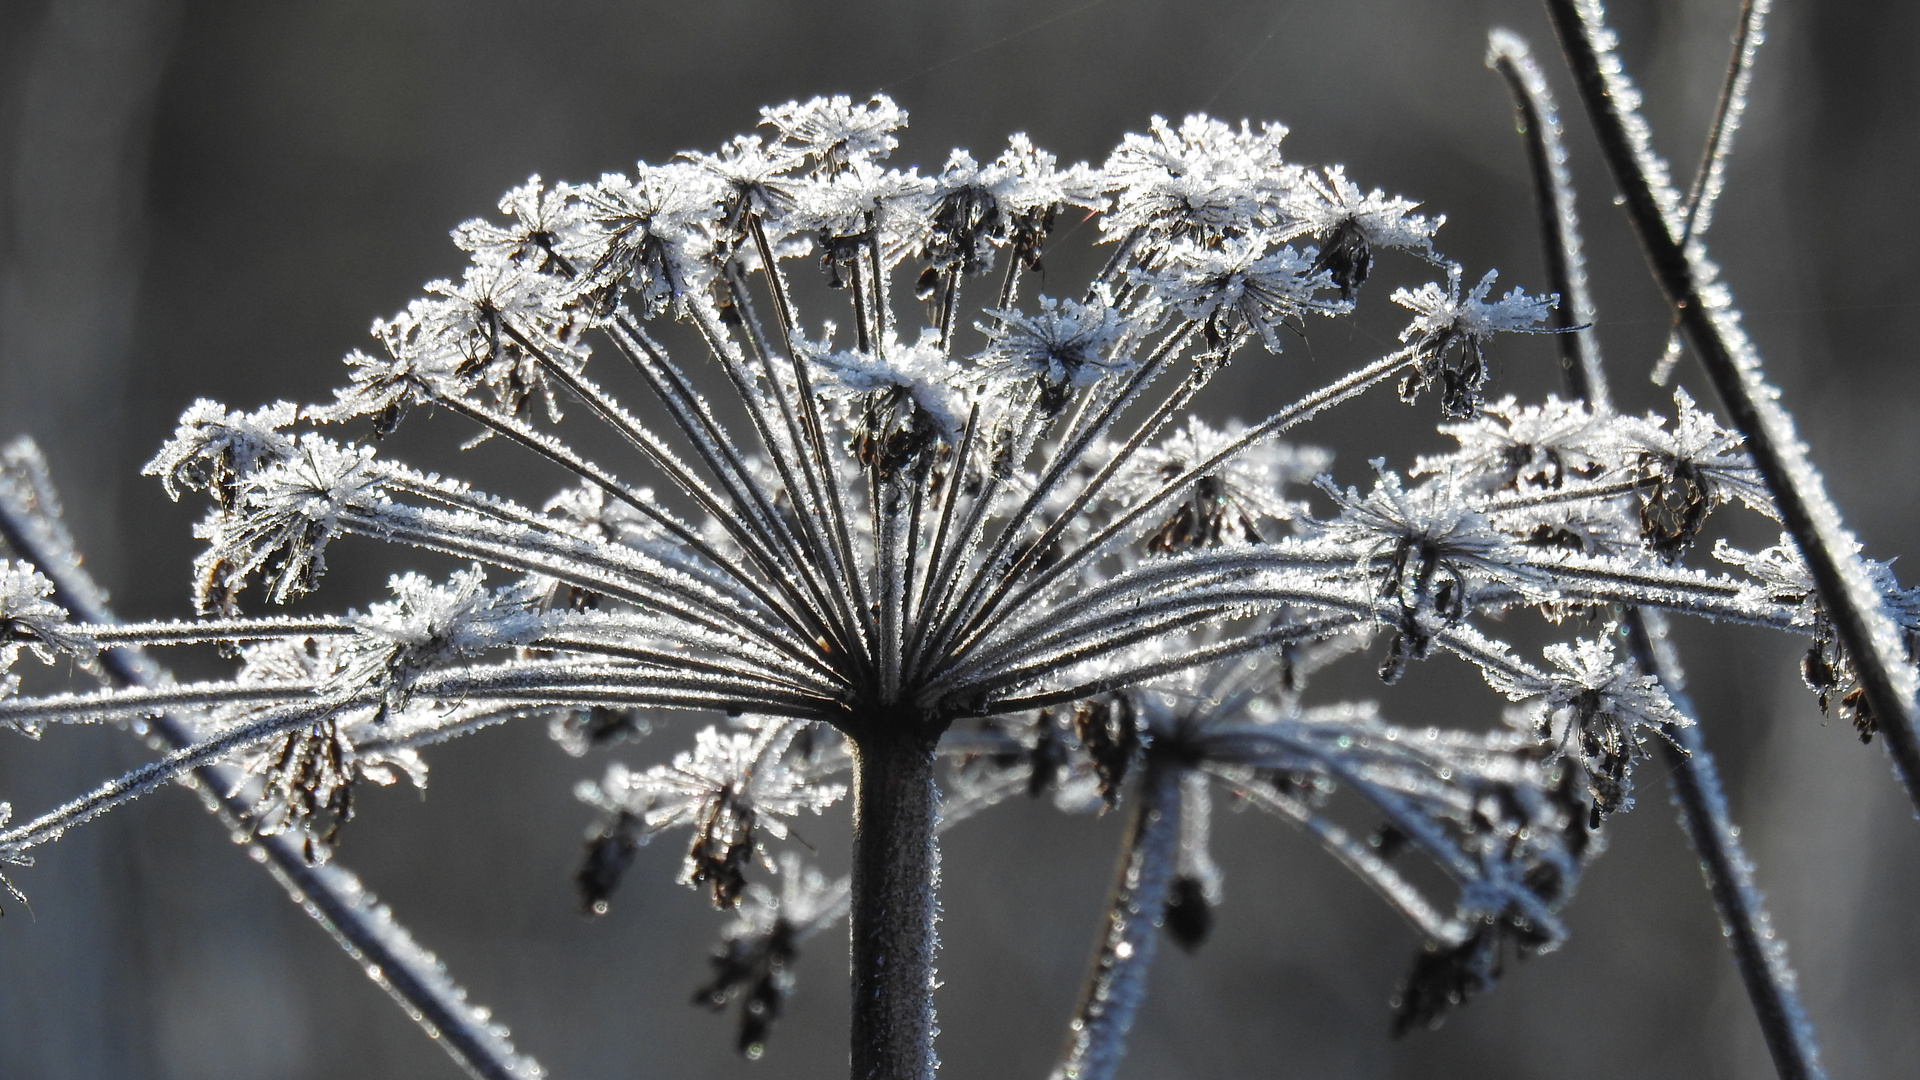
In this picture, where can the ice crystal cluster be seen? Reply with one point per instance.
(939, 512)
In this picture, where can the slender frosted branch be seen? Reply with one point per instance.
(1759, 954)
(816, 461)
(1290, 631)
(1147, 428)
(1539, 121)
(183, 632)
(560, 454)
(418, 982)
(991, 571)
(1710, 179)
(1758, 951)
(671, 387)
(783, 574)
(1360, 857)
(1117, 985)
(1301, 411)
(562, 685)
(1732, 363)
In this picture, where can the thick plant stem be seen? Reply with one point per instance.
(361, 925)
(1707, 319)
(896, 871)
(1758, 953)
(1097, 1039)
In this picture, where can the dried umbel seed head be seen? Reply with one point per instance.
(885, 522)
(722, 849)
(1450, 332)
(307, 779)
(1673, 504)
(1346, 256)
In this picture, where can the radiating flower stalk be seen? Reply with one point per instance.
(948, 546)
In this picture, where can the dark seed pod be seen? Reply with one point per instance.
(1443, 979)
(927, 284)
(721, 851)
(758, 969)
(1106, 730)
(1209, 518)
(609, 853)
(308, 786)
(1857, 708)
(1346, 257)
(1388, 841)
(1189, 917)
(1673, 504)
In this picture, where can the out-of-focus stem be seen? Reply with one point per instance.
(1759, 953)
(1097, 1040)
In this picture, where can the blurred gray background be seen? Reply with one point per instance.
(215, 198)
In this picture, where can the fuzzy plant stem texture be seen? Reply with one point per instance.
(896, 872)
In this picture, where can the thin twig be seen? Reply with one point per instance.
(1559, 224)
(1758, 951)
(1710, 178)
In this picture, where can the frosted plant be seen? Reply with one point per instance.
(952, 526)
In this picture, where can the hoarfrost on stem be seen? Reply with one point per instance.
(1006, 543)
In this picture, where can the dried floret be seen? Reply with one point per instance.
(1351, 226)
(1063, 348)
(1204, 179)
(281, 522)
(29, 619)
(1449, 334)
(1435, 546)
(1238, 286)
(214, 450)
(835, 132)
(731, 789)
(903, 403)
(427, 625)
(755, 960)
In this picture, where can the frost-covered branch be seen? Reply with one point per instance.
(1759, 953)
(1704, 304)
(1097, 1038)
(418, 981)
